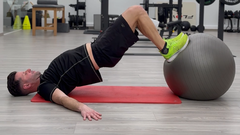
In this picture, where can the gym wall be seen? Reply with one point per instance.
(1, 18)
(118, 6)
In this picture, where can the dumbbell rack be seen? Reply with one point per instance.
(229, 15)
(78, 6)
(221, 15)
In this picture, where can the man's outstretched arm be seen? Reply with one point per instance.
(62, 99)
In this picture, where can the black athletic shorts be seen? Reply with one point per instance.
(111, 45)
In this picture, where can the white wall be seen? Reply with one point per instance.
(118, 6)
(1, 17)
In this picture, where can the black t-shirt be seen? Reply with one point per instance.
(70, 69)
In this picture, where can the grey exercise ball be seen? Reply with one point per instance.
(205, 70)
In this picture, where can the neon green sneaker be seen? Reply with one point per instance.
(175, 47)
(176, 38)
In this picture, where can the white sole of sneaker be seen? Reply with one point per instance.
(176, 54)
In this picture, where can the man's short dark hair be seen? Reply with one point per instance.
(13, 85)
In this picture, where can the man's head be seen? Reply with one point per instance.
(24, 82)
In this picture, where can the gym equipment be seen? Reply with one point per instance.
(170, 6)
(205, 70)
(104, 19)
(63, 28)
(171, 27)
(120, 94)
(164, 12)
(230, 2)
(229, 15)
(237, 16)
(78, 21)
(193, 28)
(207, 2)
(145, 5)
(198, 27)
(221, 15)
(201, 13)
(26, 23)
(185, 25)
(17, 23)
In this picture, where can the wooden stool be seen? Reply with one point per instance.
(47, 26)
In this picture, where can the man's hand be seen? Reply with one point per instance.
(88, 113)
(62, 99)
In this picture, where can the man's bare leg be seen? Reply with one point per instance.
(137, 17)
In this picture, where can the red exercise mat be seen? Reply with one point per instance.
(121, 94)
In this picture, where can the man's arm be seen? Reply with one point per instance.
(62, 99)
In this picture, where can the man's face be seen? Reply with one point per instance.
(28, 76)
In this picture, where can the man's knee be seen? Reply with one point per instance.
(137, 9)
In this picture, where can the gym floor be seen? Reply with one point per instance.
(19, 116)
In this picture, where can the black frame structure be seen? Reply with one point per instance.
(104, 18)
(146, 6)
(170, 5)
(104, 15)
(77, 15)
(84, 25)
(221, 20)
(201, 17)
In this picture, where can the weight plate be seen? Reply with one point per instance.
(230, 2)
(207, 2)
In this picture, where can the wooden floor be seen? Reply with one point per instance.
(18, 116)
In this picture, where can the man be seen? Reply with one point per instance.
(79, 66)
